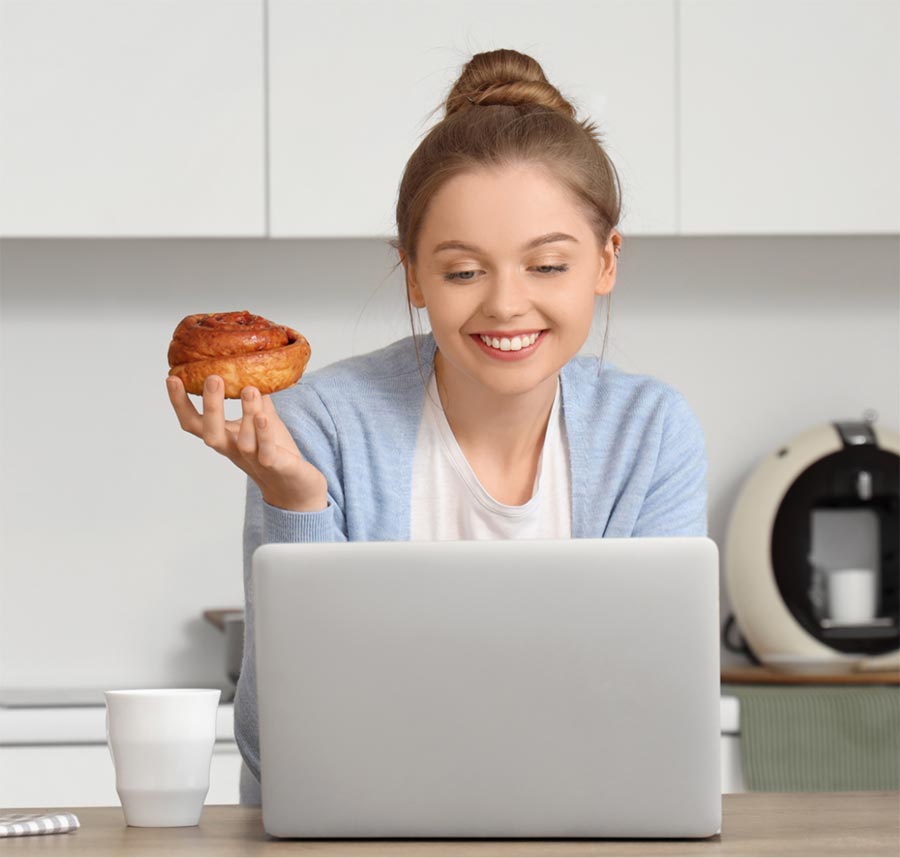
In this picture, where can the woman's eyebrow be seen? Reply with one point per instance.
(549, 238)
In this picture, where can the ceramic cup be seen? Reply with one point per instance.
(161, 742)
(851, 595)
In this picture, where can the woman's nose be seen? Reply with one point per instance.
(505, 297)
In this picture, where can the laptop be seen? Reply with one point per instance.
(535, 688)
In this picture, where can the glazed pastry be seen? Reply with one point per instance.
(245, 350)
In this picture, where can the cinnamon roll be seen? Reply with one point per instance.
(244, 349)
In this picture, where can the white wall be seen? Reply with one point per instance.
(118, 529)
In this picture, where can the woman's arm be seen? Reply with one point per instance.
(315, 434)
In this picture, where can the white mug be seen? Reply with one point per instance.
(851, 595)
(161, 742)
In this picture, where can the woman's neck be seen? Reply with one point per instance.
(509, 430)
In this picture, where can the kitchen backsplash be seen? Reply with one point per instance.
(119, 529)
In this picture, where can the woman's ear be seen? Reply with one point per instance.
(606, 280)
(416, 298)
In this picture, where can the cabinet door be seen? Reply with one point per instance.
(790, 116)
(132, 118)
(352, 84)
(83, 776)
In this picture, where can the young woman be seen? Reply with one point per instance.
(492, 425)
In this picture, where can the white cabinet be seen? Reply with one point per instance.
(353, 84)
(57, 755)
(65, 776)
(295, 118)
(132, 118)
(790, 116)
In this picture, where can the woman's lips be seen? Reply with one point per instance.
(510, 355)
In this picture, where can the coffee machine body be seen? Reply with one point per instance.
(811, 559)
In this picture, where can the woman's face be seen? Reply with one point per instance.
(540, 298)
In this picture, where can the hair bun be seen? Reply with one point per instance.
(505, 77)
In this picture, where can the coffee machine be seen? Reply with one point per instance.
(811, 555)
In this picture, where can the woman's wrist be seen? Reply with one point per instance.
(315, 504)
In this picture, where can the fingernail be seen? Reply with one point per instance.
(211, 384)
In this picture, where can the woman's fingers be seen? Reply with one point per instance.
(213, 429)
(280, 433)
(258, 440)
(188, 417)
(263, 439)
(251, 403)
(267, 452)
(259, 443)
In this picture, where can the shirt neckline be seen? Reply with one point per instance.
(464, 469)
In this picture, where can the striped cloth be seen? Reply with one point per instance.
(17, 824)
(819, 738)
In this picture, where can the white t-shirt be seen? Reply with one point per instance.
(450, 503)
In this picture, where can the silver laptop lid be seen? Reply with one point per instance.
(510, 688)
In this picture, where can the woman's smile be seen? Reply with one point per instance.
(504, 347)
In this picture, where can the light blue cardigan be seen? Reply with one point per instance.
(637, 466)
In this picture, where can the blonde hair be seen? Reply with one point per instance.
(501, 112)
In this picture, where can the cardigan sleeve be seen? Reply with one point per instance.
(675, 504)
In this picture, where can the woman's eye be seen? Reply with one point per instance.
(543, 269)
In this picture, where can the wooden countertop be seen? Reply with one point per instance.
(761, 824)
(758, 675)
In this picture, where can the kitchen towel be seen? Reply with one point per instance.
(819, 738)
(17, 824)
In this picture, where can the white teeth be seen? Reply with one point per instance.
(506, 344)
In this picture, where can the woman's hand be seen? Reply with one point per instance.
(259, 444)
